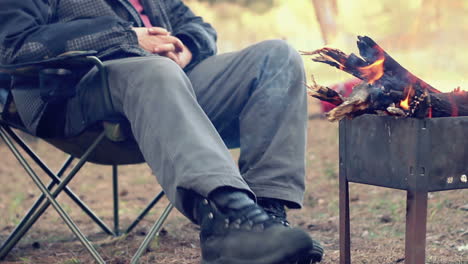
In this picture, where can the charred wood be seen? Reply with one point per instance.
(387, 88)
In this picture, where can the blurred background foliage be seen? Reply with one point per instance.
(429, 37)
(254, 5)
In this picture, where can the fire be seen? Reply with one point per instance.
(405, 103)
(409, 91)
(374, 71)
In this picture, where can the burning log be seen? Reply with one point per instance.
(387, 87)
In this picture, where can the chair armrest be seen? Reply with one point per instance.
(68, 60)
(72, 60)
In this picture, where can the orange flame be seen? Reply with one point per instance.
(405, 103)
(374, 71)
(409, 91)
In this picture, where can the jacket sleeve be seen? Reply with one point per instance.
(199, 36)
(27, 35)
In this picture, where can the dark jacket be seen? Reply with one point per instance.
(32, 30)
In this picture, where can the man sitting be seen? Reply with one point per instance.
(185, 106)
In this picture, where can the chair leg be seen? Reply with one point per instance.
(345, 239)
(51, 198)
(33, 208)
(151, 234)
(20, 231)
(416, 218)
(115, 190)
(144, 212)
(55, 181)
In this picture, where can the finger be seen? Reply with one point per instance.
(173, 56)
(158, 31)
(176, 41)
(168, 47)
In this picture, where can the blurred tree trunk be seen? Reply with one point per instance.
(326, 12)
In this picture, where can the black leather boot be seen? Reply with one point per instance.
(276, 210)
(235, 230)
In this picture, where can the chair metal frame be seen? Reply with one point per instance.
(59, 184)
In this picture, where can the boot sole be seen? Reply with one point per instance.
(271, 259)
(306, 257)
(313, 256)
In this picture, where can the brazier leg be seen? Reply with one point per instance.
(345, 241)
(416, 217)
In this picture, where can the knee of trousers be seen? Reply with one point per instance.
(281, 62)
(149, 76)
(281, 52)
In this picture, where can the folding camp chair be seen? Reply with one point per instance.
(94, 145)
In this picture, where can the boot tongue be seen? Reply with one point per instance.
(231, 200)
(240, 204)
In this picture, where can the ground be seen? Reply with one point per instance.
(377, 214)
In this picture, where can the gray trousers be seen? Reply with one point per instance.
(184, 123)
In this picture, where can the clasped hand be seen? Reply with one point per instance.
(158, 40)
